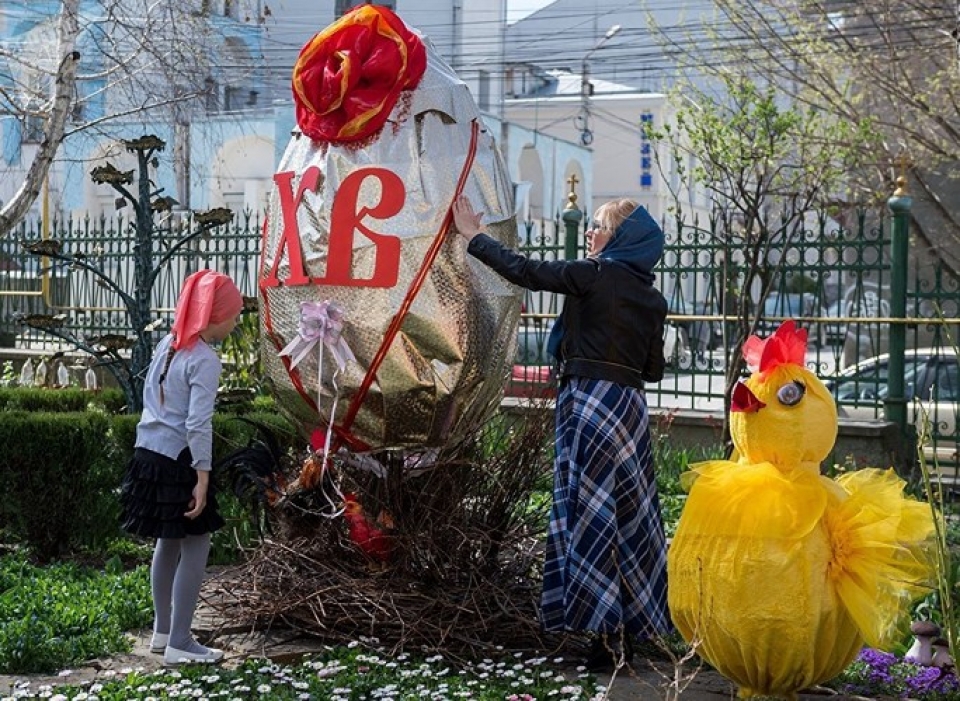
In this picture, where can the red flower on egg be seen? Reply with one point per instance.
(348, 78)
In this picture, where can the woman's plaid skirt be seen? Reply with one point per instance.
(606, 560)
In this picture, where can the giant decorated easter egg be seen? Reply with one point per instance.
(376, 323)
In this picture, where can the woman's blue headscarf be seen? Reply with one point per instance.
(637, 244)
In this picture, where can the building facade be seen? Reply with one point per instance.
(222, 101)
(187, 71)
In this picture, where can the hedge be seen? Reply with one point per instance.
(62, 471)
(110, 400)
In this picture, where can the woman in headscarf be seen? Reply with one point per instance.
(605, 568)
(167, 493)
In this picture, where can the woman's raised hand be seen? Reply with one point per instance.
(465, 219)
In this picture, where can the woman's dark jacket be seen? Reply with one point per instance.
(613, 319)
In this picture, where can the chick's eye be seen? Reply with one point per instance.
(791, 394)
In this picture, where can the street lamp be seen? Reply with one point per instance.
(586, 88)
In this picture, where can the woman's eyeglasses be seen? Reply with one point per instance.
(597, 226)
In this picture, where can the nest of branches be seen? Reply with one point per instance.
(440, 550)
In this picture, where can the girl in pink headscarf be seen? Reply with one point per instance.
(167, 493)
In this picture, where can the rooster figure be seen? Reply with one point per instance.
(373, 537)
(254, 473)
(779, 575)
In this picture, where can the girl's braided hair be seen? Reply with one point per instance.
(166, 366)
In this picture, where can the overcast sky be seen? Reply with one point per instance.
(518, 9)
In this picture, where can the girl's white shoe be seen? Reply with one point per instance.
(159, 642)
(172, 656)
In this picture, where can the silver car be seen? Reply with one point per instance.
(932, 387)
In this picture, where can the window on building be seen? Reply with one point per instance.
(211, 92)
(32, 129)
(231, 99)
(344, 6)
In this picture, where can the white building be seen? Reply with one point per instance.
(612, 120)
(593, 73)
(200, 94)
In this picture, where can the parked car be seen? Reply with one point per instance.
(696, 335)
(832, 333)
(788, 305)
(931, 385)
(532, 376)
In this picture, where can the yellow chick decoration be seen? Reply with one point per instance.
(779, 575)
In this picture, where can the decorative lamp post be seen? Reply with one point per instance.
(895, 405)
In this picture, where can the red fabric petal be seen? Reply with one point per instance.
(349, 77)
(752, 351)
(787, 345)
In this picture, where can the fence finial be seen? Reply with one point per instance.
(572, 195)
(905, 164)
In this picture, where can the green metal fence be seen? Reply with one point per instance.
(835, 280)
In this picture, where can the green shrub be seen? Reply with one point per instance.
(62, 474)
(49, 469)
(68, 399)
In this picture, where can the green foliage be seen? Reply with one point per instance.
(52, 471)
(240, 351)
(756, 151)
(54, 617)
(671, 462)
(351, 673)
(798, 283)
(944, 602)
(8, 376)
(764, 164)
(62, 472)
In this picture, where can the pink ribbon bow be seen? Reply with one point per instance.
(320, 322)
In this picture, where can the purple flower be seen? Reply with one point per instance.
(882, 673)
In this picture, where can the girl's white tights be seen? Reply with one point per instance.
(175, 578)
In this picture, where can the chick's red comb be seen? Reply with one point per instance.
(788, 344)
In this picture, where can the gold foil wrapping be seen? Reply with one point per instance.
(446, 367)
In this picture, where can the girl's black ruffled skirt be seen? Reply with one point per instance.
(156, 493)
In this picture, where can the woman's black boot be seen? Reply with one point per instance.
(608, 651)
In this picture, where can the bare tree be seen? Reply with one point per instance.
(765, 167)
(144, 61)
(891, 65)
(22, 101)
